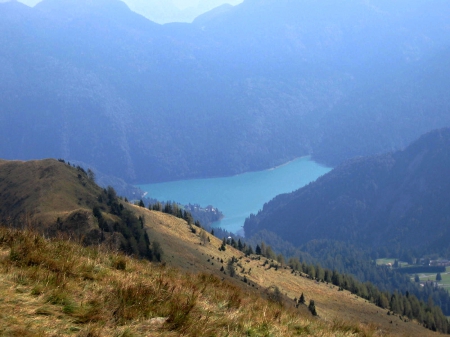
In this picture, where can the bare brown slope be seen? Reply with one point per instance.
(186, 250)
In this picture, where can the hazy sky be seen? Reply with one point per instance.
(163, 11)
(181, 4)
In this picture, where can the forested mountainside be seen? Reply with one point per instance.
(241, 89)
(391, 202)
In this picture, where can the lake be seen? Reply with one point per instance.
(239, 196)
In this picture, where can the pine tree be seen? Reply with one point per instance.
(230, 268)
(280, 259)
(157, 251)
(302, 299)
(263, 249)
(204, 237)
(240, 246)
(249, 250)
(91, 175)
(223, 247)
(312, 308)
(270, 254)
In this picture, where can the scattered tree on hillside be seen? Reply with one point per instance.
(204, 237)
(230, 267)
(302, 299)
(280, 259)
(263, 249)
(223, 246)
(312, 308)
(276, 296)
(249, 250)
(91, 175)
(157, 251)
(240, 246)
(156, 207)
(270, 254)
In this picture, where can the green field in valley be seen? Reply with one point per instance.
(386, 261)
(445, 282)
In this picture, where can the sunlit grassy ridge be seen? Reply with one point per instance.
(44, 190)
(185, 250)
(56, 287)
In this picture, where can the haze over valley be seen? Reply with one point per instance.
(249, 89)
(322, 125)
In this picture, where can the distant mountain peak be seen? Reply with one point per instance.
(82, 7)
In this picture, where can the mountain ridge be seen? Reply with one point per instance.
(390, 200)
(168, 96)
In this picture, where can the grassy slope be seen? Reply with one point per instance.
(57, 288)
(40, 191)
(183, 249)
(62, 288)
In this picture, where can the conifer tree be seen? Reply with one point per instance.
(240, 246)
(230, 267)
(302, 299)
(249, 250)
(312, 308)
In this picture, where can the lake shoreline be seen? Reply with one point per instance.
(231, 176)
(289, 162)
(240, 195)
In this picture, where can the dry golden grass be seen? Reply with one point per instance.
(185, 250)
(56, 288)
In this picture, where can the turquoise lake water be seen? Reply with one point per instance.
(239, 196)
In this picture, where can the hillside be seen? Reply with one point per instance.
(58, 199)
(241, 89)
(188, 251)
(385, 202)
(41, 191)
(61, 284)
(59, 288)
